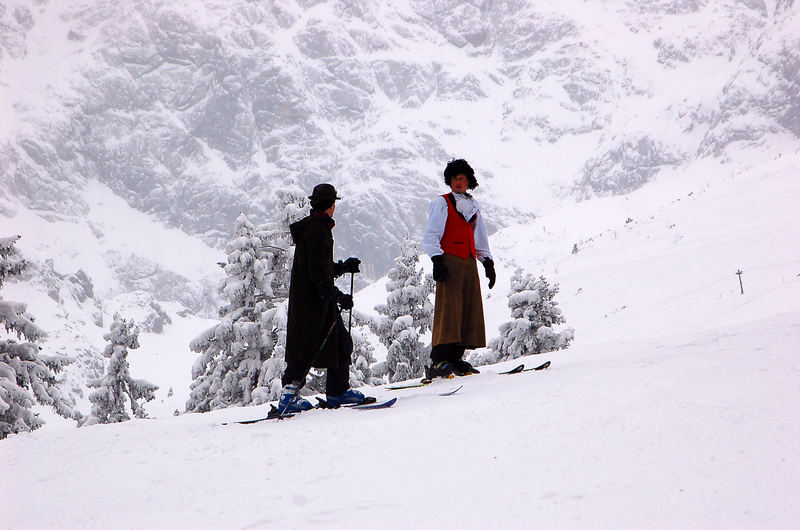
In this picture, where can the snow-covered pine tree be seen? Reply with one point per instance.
(108, 400)
(278, 249)
(407, 314)
(278, 253)
(533, 315)
(273, 325)
(26, 375)
(242, 358)
(233, 351)
(362, 360)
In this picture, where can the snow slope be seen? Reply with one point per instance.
(696, 431)
(664, 259)
(676, 406)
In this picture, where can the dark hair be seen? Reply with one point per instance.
(460, 167)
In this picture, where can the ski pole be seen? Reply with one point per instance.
(313, 360)
(350, 320)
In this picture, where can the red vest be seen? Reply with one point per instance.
(458, 238)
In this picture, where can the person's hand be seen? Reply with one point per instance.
(345, 301)
(348, 265)
(488, 266)
(351, 265)
(440, 273)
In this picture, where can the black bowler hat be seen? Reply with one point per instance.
(323, 196)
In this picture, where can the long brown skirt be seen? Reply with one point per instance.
(458, 311)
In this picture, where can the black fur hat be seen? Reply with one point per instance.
(460, 167)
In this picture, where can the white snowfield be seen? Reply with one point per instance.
(677, 406)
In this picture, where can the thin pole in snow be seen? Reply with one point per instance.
(350, 323)
(739, 274)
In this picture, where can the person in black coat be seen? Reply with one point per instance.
(316, 335)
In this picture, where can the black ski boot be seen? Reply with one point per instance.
(440, 369)
(462, 367)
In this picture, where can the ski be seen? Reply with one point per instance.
(370, 406)
(323, 404)
(273, 414)
(521, 368)
(544, 366)
(424, 382)
(451, 392)
(515, 370)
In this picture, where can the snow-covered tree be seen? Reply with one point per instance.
(362, 360)
(273, 325)
(533, 315)
(242, 358)
(26, 375)
(109, 398)
(232, 352)
(406, 315)
(278, 251)
(278, 254)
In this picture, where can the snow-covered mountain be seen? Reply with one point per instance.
(133, 133)
(194, 112)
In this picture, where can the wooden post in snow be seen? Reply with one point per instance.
(739, 274)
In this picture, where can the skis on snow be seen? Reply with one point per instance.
(273, 414)
(322, 404)
(369, 403)
(371, 406)
(521, 368)
(423, 382)
(451, 392)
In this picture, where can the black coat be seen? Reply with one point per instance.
(312, 308)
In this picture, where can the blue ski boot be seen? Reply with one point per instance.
(287, 405)
(351, 397)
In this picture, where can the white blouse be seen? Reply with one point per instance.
(437, 219)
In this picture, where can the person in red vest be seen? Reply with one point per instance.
(455, 239)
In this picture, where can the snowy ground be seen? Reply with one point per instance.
(698, 431)
(677, 405)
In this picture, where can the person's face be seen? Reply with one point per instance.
(330, 210)
(459, 183)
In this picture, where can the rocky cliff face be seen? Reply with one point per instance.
(193, 113)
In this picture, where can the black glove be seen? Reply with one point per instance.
(345, 301)
(488, 266)
(348, 265)
(439, 269)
